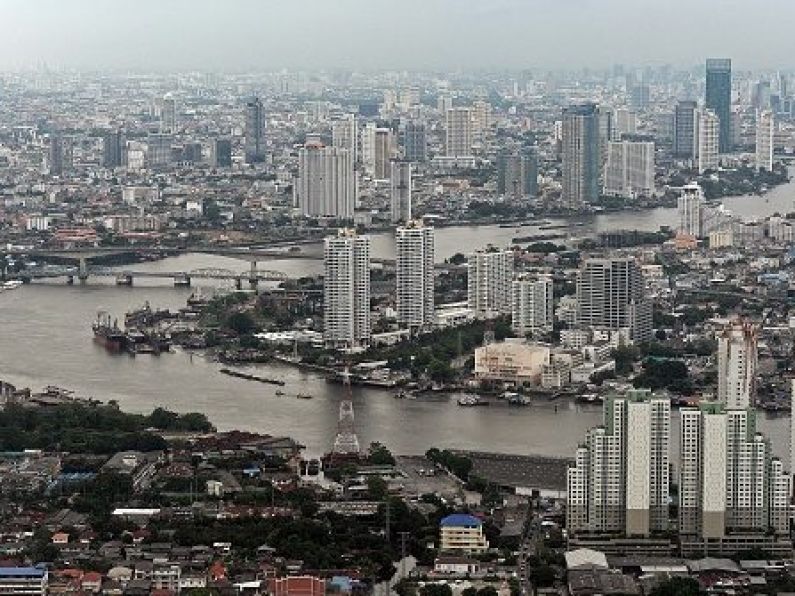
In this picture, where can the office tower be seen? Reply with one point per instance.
(489, 275)
(158, 150)
(114, 146)
(765, 132)
(346, 289)
(343, 135)
(719, 97)
(737, 358)
(708, 141)
(458, 132)
(733, 494)
(761, 96)
(168, 115)
(532, 308)
(639, 96)
(191, 153)
(222, 153)
(685, 116)
(620, 482)
(326, 185)
(629, 171)
(414, 268)
(415, 144)
(255, 132)
(610, 295)
(60, 155)
(367, 154)
(625, 123)
(517, 173)
(580, 155)
(481, 122)
(607, 126)
(384, 152)
(400, 195)
(690, 208)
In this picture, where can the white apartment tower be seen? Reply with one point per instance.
(367, 145)
(737, 360)
(629, 170)
(690, 207)
(400, 191)
(414, 253)
(620, 481)
(531, 305)
(489, 275)
(765, 133)
(326, 186)
(708, 141)
(343, 135)
(458, 132)
(346, 290)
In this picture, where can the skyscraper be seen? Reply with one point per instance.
(620, 482)
(517, 173)
(384, 153)
(168, 115)
(346, 290)
(690, 208)
(532, 305)
(765, 131)
(158, 150)
(326, 185)
(255, 132)
(414, 265)
(737, 360)
(458, 132)
(489, 275)
(626, 123)
(114, 146)
(610, 295)
(60, 155)
(718, 97)
(639, 96)
(222, 153)
(343, 134)
(415, 145)
(629, 170)
(580, 155)
(685, 129)
(400, 195)
(367, 153)
(708, 141)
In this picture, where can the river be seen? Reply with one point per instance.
(45, 338)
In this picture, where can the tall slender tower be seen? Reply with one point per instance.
(719, 97)
(255, 131)
(400, 195)
(737, 359)
(415, 275)
(765, 131)
(346, 290)
(580, 155)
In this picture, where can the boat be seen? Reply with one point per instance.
(250, 377)
(304, 396)
(279, 392)
(108, 334)
(471, 400)
(11, 285)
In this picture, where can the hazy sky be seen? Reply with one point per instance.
(448, 34)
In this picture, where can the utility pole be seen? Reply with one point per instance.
(403, 537)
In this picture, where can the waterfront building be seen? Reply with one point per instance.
(532, 309)
(414, 269)
(489, 275)
(346, 290)
(415, 144)
(517, 174)
(690, 208)
(610, 295)
(685, 140)
(765, 134)
(326, 184)
(629, 171)
(255, 132)
(114, 149)
(580, 147)
(400, 191)
(708, 141)
(737, 364)
(718, 98)
(222, 153)
(463, 533)
(343, 135)
(458, 132)
(619, 484)
(512, 361)
(384, 153)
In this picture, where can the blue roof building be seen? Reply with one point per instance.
(462, 532)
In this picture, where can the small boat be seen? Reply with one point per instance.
(11, 285)
(304, 396)
(279, 392)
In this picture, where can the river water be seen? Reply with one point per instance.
(45, 338)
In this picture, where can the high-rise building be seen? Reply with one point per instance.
(114, 148)
(690, 208)
(639, 96)
(326, 186)
(489, 275)
(158, 150)
(517, 173)
(346, 289)
(168, 115)
(60, 155)
(765, 133)
(708, 141)
(400, 195)
(685, 140)
(620, 482)
(626, 123)
(733, 494)
(718, 97)
(384, 153)
(737, 360)
(581, 162)
(415, 145)
(367, 153)
(343, 135)
(458, 132)
(481, 122)
(255, 131)
(222, 153)
(532, 307)
(610, 295)
(629, 170)
(414, 268)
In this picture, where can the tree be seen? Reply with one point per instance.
(377, 488)
(380, 455)
(436, 590)
(542, 576)
(241, 323)
(677, 586)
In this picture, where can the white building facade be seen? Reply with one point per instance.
(346, 290)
